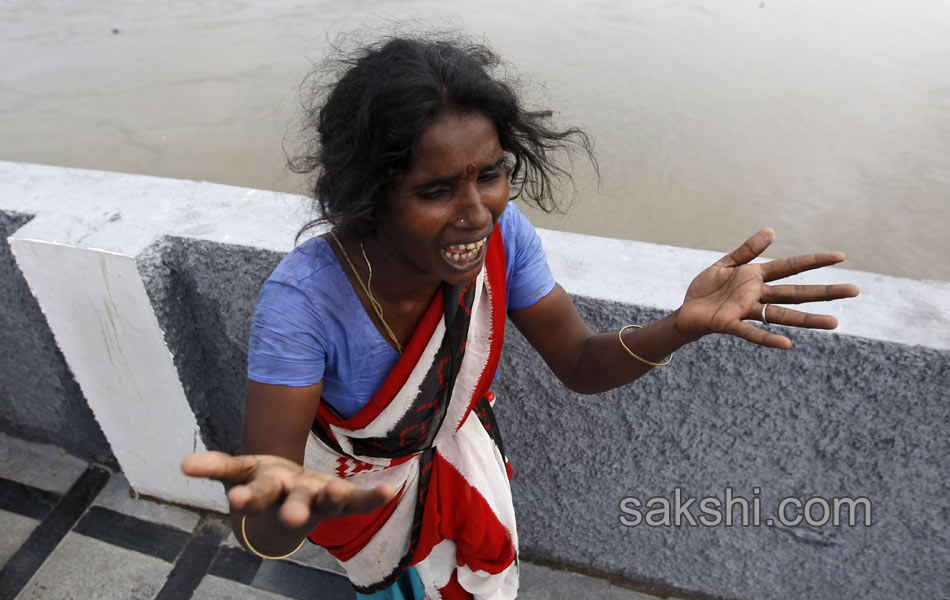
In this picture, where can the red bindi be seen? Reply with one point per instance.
(470, 168)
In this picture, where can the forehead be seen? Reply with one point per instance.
(452, 142)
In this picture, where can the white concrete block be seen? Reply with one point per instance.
(98, 310)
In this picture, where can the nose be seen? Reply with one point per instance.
(473, 211)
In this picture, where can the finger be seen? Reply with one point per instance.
(751, 248)
(759, 336)
(332, 499)
(366, 501)
(784, 267)
(295, 510)
(778, 315)
(797, 294)
(343, 498)
(218, 465)
(258, 495)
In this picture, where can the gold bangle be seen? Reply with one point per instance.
(247, 543)
(641, 359)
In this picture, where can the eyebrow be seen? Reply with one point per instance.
(454, 178)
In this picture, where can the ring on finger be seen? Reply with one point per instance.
(764, 319)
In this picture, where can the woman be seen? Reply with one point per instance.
(374, 346)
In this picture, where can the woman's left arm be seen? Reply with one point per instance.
(717, 301)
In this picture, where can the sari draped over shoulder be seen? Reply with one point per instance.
(430, 432)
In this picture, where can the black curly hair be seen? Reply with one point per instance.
(363, 129)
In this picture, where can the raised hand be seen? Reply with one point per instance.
(265, 481)
(731, 290)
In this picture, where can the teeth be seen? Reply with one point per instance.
(463, 252)
(459, 248)
(459, 257)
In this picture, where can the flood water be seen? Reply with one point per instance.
(829, 121)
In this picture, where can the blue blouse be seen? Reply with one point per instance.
(310, 326)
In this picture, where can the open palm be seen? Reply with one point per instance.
(731, 290)
(304, 496)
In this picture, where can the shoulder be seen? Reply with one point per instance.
(303, 288)
(305, 265)
(291, 332)
(516, 229)
(513, 219)
(529, 277)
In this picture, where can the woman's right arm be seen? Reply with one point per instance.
(282, 501)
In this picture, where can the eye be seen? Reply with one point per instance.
(490, 175)
(432, 194)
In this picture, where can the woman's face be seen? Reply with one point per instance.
(440, 214)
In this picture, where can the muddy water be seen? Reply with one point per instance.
(828, 121)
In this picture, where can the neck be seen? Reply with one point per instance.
(396, 283)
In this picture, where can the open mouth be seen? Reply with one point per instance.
(464, 254)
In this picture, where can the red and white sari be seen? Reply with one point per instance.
(430, 432)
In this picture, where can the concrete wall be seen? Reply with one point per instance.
(39, 396)
(148, 286)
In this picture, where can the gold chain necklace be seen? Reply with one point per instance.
(377, 308)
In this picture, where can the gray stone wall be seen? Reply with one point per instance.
(835, 416)
(204, 296)
(40, 400)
